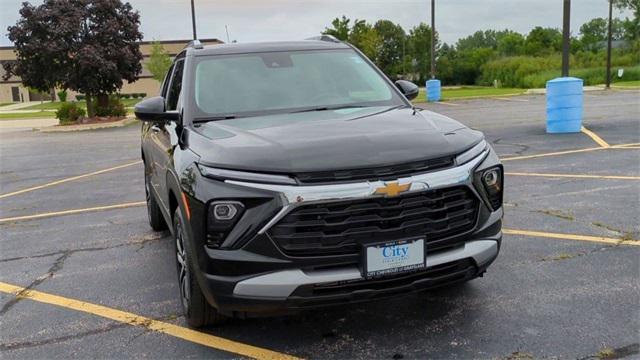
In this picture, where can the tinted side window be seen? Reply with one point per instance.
(175, 86)
(165, 83)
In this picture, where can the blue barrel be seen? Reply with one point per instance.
(564, 105)
(433, 90)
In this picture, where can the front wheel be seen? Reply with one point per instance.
(196, 309)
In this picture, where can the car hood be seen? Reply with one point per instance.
(329, 140)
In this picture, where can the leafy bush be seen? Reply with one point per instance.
(62, 95)
(114, 108)
(591, 76)
(80, 97)
(125, 96)
(69, 113)
(134, 95)
(511, 71)
(143, 95)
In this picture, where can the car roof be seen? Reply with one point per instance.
(256, 47)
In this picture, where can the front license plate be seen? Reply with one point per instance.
(390, 258)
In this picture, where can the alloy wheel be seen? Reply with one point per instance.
(183, 270)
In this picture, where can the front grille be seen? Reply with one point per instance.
(340, 228)
(378, 173)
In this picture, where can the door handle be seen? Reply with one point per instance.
(155, 128)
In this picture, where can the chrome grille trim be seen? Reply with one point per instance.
(293, 196)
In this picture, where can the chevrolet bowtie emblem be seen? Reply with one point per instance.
(392, 189)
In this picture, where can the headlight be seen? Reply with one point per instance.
(221, 217)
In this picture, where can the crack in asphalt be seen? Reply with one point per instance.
(141, 241)
(59, 263)
(522, 147)
(57, 266)
(617, 353)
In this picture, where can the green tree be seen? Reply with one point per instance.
(159, 61)
(543, 41)
(340, 28)
(593, 34)
(89, 46)
(390, 52)
(363, 36)
(631, 26)
(419, 50)
(511, 44)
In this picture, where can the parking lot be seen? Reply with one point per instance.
(82, 274)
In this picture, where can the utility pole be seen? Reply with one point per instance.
(226, 28)
(433, 39)
(565, 37)
(193, 20)
(608, 79)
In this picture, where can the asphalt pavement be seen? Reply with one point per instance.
(566, 283)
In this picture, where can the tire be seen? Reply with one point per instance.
(156, 220)
(197, 310)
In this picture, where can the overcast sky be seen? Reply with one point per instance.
(260, 20)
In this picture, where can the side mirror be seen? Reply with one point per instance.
(152, 109)
(409, 89)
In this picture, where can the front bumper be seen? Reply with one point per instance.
(281, 284)
(298, 289)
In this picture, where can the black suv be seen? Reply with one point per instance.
(294, 175)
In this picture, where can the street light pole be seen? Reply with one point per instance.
(433, 39)
(608, 80)
(565, 37)
(193, 20)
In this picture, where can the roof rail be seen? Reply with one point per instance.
(196, 44)
(325, 37)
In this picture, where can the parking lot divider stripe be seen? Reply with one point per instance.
(595, 137)
(124, 317)
(73, 178)
(576, 176)
(626, 145)
(72, 211)
(550, 154)
(597, 239)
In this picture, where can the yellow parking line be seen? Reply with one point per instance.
(577, 176)
(124, 317)
(625, 145)
(598, 239)
(550, 154)
(595, 137)
(61, 181)
(523, 157)
(72, 211)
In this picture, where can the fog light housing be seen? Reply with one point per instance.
(491, 177)
(492, 182)
(224, 211)
(221, 218)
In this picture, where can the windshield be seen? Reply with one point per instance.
(277, 82)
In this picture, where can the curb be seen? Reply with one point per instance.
(543, 91)
(474, 97)
(86, 127)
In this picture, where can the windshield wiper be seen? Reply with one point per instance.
(214, 118)
(326, 108)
